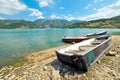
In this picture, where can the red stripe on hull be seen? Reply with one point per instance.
(73, 40)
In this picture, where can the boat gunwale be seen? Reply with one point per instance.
(95, 47)
(74, 37)
(58, 51)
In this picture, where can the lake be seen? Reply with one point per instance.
(14, 44)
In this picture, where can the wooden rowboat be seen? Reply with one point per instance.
(84, 54)
(73, 39)
(92, 35)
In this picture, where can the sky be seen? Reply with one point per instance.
(59, 9)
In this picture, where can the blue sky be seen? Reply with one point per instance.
(59, 9)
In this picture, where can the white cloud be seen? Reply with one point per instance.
(36, 13)
(69, 17)
(44, 3)
(11, 6)
(54, 17)
(94, 9)
(89, 5)
(62, 8)
(95, 1)
(2, 18)
(105, 12)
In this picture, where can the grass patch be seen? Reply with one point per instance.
(106, 60)
(19, 63)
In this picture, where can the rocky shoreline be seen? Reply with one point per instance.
(44, 65)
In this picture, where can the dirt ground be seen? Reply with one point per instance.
(44, 65)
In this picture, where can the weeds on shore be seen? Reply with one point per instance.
(19, 63)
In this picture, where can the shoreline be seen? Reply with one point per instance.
(41, 55)
(44, 54)
(45, 65)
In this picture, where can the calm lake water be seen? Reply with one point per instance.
(14, 44)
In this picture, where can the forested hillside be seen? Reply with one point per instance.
(101, 23)
(17, 24)
(41, 23)
(60, 23)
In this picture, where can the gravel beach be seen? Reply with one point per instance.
(44, 65)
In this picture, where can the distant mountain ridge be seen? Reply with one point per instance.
(41, 23)
(17, 24)
(60, 23)
(55, 22)
(101, 23)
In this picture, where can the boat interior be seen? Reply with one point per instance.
(82, 47)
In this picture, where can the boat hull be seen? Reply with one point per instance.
(85, 61)
(102, 33)
(92, 35)
(74, 40)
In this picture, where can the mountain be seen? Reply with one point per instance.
(51, 22)
(101, 23)
(74, 21)
(17, 24)
(60, 23)
(43, 23)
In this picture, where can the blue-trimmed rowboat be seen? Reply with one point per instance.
(96, 34)
(102, 33)
(84, 54)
